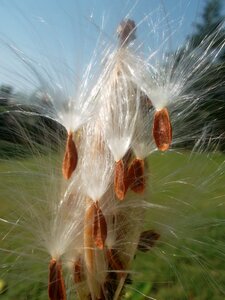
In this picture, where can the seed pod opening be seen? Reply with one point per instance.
(56, 285)
(120, 180)
(70, 157)
(136, 176)
(162, 129)
(99, 227)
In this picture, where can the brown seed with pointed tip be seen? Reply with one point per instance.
(99, 227)
(56, 285)
(120, 180)
(162, 129)
(136, 176)
(70, 157)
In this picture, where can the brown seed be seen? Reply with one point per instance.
(126, 32)
(127, 159)
(56, 285)
(70, 157)
(120, 180)
(136, 176)
(114, 261)
(145, 102)
(162, 130)
(99, 228)
(78, 271)
(147, 240)
(88, 238)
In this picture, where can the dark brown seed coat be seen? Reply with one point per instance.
(136, 176)
(99, 227)
(56, 285)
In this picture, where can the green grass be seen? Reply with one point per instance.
(186, 263)
(189, 262)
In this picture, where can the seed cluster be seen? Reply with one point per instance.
(107, 166)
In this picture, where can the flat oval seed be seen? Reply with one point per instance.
(120, 186)
(70, 157)
(99, 228)
(126, 32)
(136, 176)
(88, 238)
(162, 130)
(56, 285)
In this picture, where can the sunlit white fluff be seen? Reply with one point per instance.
(97, 162)
(56, 219)
(171, 76)
(120, 99)
(71, 108)
(77, 109)
(143, 144)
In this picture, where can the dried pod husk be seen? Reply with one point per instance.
(70, 157)
(99, 227)
(120, 180)
(147, 240)
(162, 129)
(136, 177)
(56, 285)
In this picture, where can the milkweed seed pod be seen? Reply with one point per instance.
(127, 203)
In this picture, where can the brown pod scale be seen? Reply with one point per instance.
(120, 180)
(70, 157)
(136, 176)
(114, 261)
(56, 285)
(147, 240)
(162, 129)
(78, 271)
(99, 227)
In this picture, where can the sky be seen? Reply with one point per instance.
(60, 36)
